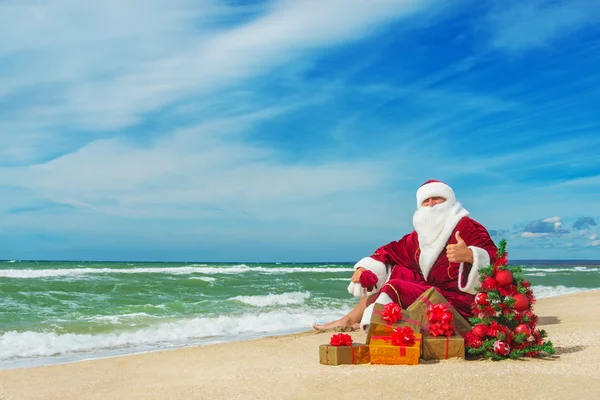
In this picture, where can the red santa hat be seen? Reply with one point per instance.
(433, 188)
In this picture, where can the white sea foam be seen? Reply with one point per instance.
(271, 299)
(550, 291)
(163, 335)
(563, 269)
(191, 269)
(119, 319)
(205, 279)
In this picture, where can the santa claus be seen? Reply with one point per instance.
(445, 251)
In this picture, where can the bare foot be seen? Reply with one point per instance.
(329, 325)
(356, 327)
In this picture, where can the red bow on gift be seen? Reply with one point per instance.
(442, 329)
(440, 319)
(440, 313)
(368, 279)
(341, 339)
(403, 336)
(391, 313)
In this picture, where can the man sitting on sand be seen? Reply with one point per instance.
(445, 250)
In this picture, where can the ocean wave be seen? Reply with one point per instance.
(119, 319)
(271, 299)
(208, 279)
(550, 291)
(563, 269)
(29, 344)
(236, 269)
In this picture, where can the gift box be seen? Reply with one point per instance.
(357, 353)
(443, 347)
(419, 310)
(379, 326)
(383, 351)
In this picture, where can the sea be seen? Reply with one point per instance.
(57, 312)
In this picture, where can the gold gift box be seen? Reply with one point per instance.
(358, 353)
(384, 352)
(443, 347)
(419, 309)
(379, 327)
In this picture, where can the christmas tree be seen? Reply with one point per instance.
(504, 325)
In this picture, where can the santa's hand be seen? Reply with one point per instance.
(356, 276)
(459, 252)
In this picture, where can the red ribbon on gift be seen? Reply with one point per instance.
(341, 339)
(447, 346)
(401, 337)
(440, 320)
(442, 329)
(393, 313)
(440, 313)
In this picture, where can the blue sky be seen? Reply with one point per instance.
(290, 130)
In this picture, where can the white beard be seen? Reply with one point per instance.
(429, 222)
(434, 225)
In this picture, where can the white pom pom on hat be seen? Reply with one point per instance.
(433, 188)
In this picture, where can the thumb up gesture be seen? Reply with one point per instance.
(459, 252)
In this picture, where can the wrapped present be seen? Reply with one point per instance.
(420, 310)
(402, 346)
(386, 318)
(341, 350)
(443, 347)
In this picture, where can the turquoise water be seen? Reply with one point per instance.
(63, 311)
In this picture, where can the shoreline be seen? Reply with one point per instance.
(107, 354)
(287, 366)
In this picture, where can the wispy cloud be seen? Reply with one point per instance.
(289, 124)
(536, 23)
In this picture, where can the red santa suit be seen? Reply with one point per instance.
(405, 269)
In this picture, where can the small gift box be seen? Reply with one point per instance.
(341, 350)
(402, 347)
(420, 309)
(441, 342)
(386, 318)
(443, 347)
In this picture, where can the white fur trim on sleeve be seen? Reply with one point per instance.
(365, 321)
(377, 267)
(481, 258)
(356, 290)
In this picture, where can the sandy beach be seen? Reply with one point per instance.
(288, 367)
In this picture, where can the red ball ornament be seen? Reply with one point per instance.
(479, 331)
(521, 302)
(481, 299)
(523, 328)
(501, 348)
(504, 277)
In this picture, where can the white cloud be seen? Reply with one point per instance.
(535, 23)
(552, 220)
(179, 176)
(534, 235)
(92, 67)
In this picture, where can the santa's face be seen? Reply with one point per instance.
(430, 218)
(433, 201)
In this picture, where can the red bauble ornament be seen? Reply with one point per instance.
(501, 348)
(504, 277)
(479, 331)
(521, 302)
(481, 299)
(523, 328)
